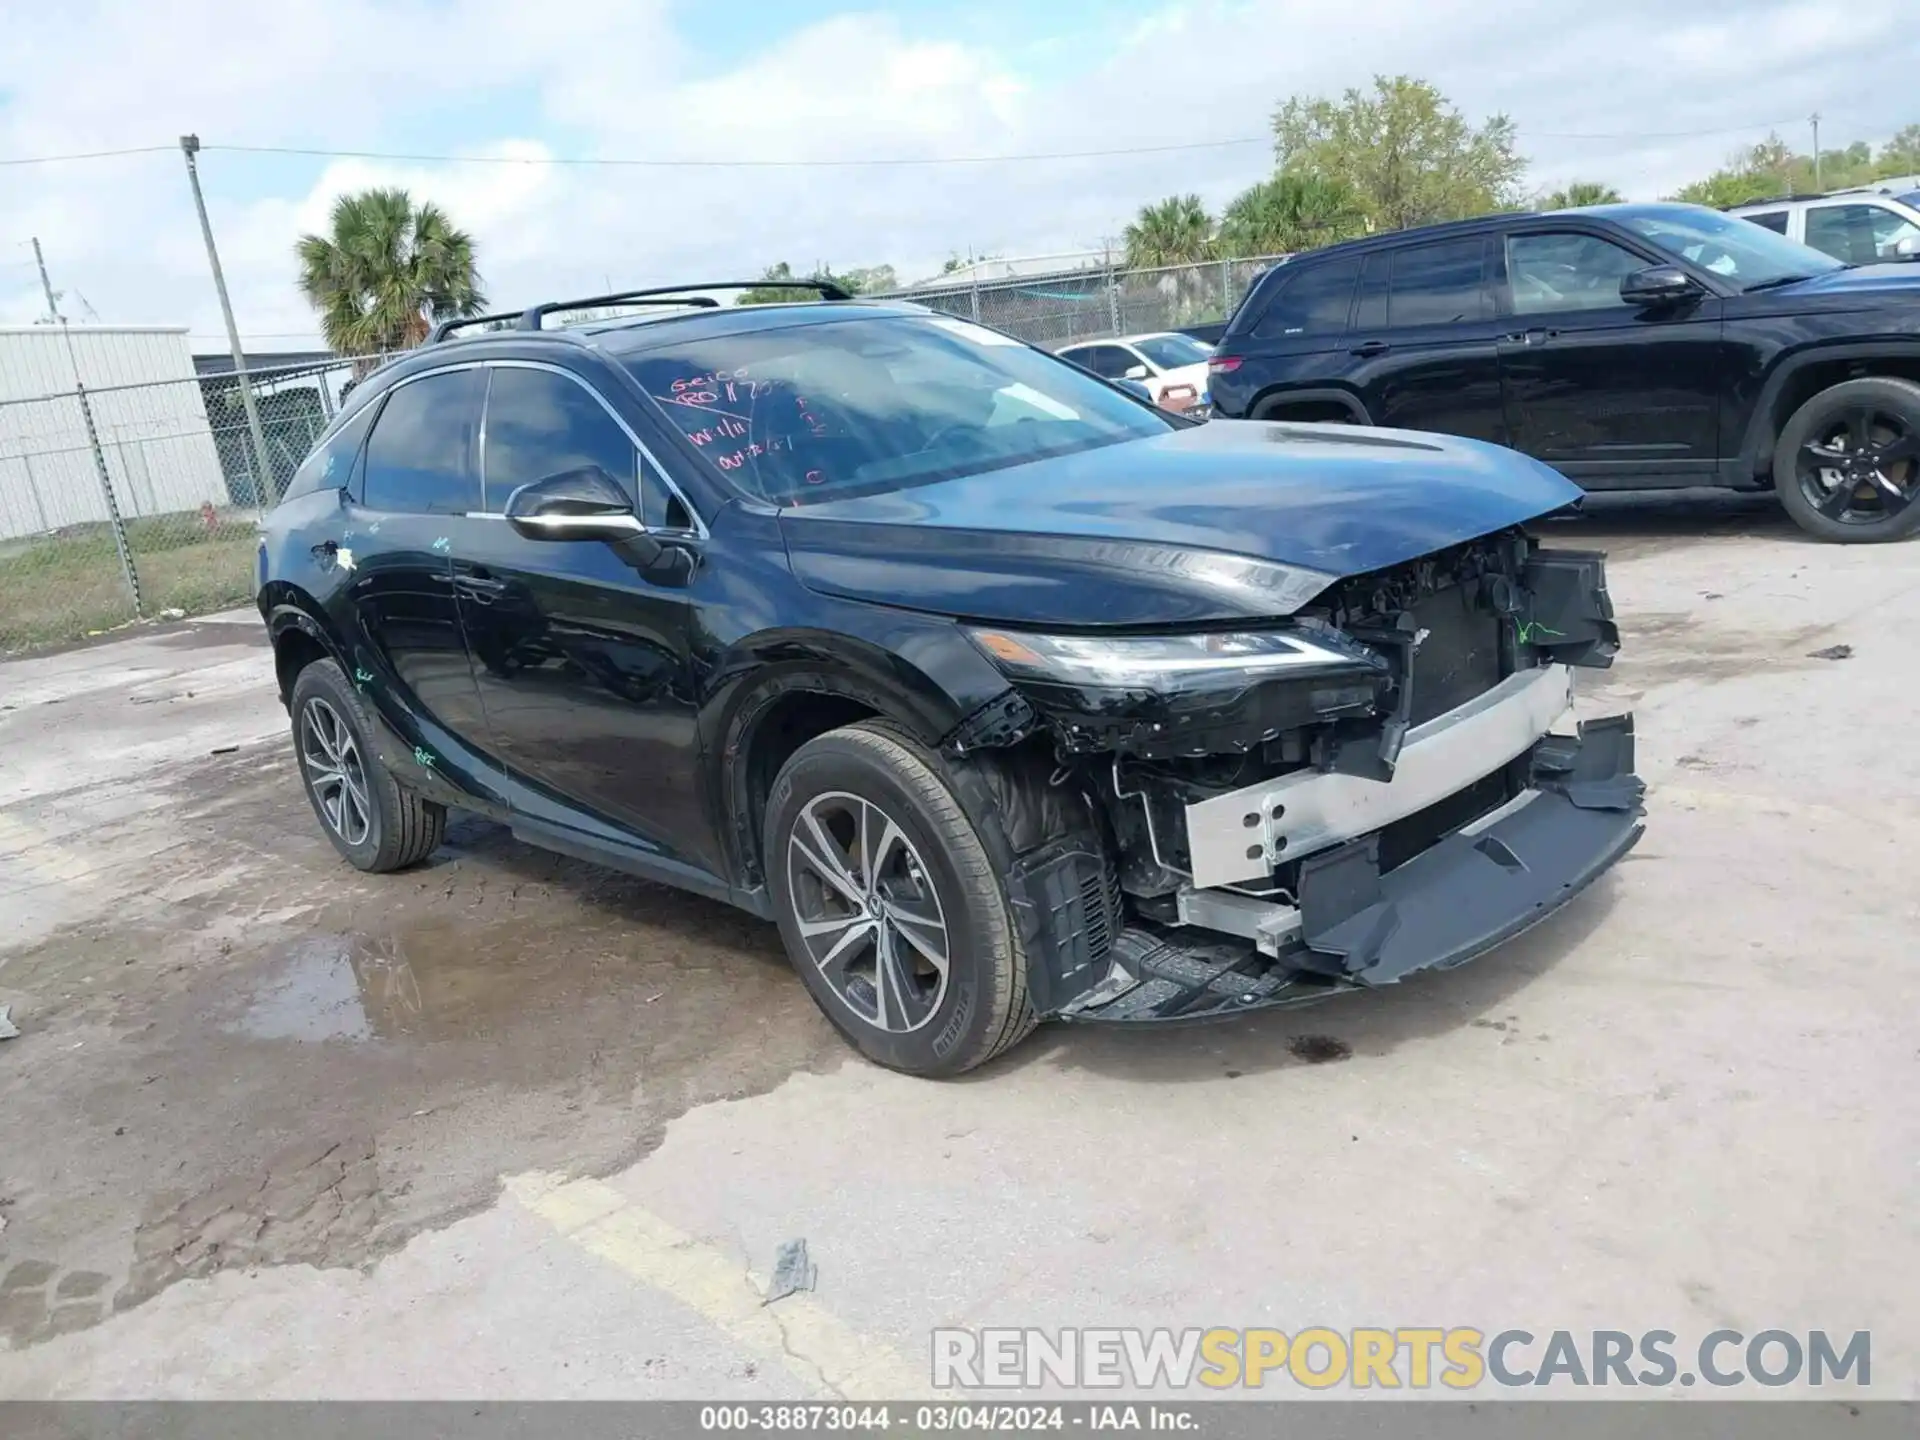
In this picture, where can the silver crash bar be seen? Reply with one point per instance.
(1244, 834)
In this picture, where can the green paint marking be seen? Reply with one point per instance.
(443, 545)
(1531, 629)
(424, 757)
(362, 679)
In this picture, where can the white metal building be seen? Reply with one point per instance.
(147, 410)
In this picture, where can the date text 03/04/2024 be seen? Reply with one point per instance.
(956, 1417)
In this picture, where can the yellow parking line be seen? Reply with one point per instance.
(51, 863)
(798, 1331)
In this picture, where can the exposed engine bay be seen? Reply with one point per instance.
(1390, 780)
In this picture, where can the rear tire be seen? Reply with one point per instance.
(376, 824)
(901, 932)
(1847, 466)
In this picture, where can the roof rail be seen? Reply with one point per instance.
(447, 327)
(1872, 188)
(687, 295)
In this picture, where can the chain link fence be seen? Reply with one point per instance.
(1095, 302)
(142, 501)
(132, 502)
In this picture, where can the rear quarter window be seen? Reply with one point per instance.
(1314, 301)
(330, 464)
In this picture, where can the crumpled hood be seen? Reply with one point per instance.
(1196, 525)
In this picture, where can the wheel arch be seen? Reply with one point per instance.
(803, 684)
(296, 634)
(1798, 377)
(1270, 403)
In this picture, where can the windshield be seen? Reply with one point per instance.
(1170, 352)
(801, 413)
(1746, 253)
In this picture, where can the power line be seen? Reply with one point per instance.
(738, 164)
(85, 155)
(858, 162)
(1654, 134)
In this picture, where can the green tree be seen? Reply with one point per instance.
(1406, 154)
(854, 282)
(386, 271)
(1772, 167)
(1177, 231)
(1578, 193)
(1288, 213)
(1901, 154)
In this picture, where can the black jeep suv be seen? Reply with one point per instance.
(1628, 346)
(1005, 694)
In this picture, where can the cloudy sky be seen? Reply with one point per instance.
(1645, 94)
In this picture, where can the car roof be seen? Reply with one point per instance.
(1480, 224)
(1876, 191)
(619, 336)
(622, 334)
(1127, 339)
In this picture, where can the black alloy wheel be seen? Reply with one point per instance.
(1847, 467)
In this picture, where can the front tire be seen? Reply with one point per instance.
(889, 905)
(374, 823)
(1847, 466)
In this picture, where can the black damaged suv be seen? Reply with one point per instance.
(1631, 347)
(1006, 695)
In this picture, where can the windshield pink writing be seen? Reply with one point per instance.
(751, 452)
(727, 428)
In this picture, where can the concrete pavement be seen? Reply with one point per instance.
(510, 1126)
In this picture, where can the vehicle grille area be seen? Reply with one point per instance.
(1457, 654)
(1446, 618)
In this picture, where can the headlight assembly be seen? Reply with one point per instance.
(1172, 663)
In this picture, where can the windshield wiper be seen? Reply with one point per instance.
(1775, 283)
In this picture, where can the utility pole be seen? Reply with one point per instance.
(1816, 149)
(114, 521)
(263, 486)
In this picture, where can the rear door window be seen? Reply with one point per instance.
(421, 457)
(1438, 284)
(1313, 302)
(1774, 220)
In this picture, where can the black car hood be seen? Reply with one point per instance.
(1899, 278)
(1210, 523)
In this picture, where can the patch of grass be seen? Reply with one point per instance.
(64, 587)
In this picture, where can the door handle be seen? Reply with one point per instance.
(1370, 348)
(479, 586)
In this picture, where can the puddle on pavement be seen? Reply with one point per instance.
(319, 991)
(440, 980)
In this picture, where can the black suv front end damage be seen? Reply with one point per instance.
(1391, 780)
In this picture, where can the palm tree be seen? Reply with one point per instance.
(1177, 231)
(1579, 193)
(1289, 213)
(387, 271)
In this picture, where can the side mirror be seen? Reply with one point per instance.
(1907, 247)
(1658, 285)
(1135, 372)
(1136, 388)
(582, 504)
